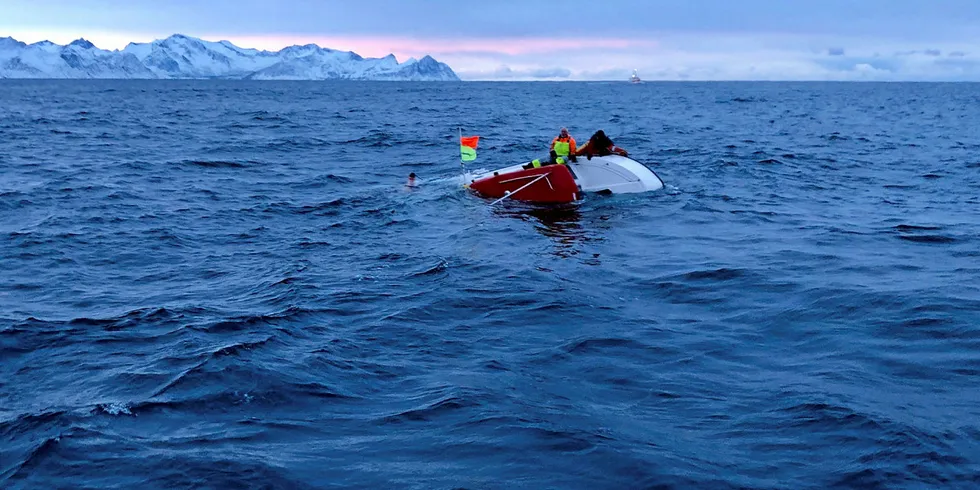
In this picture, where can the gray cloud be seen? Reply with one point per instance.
(506, 73)
(696, 40)
(618, 74)
(851, 63)
(964, 66)
(550, 73)
(927, 52)
(857, 63)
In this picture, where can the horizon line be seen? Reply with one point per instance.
(466, 74)
(461, 80)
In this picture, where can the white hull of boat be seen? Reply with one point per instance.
(612, 174)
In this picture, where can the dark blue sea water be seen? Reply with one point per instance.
(227, 285)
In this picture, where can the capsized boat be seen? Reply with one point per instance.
(610, 174)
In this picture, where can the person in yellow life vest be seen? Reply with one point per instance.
(564, 145)
(563, 149)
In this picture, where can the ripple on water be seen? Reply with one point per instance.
(227, 283)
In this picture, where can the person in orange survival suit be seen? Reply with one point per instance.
(562, 150)
(564, 145)
(600, 145)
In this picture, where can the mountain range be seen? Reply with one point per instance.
(185, 57)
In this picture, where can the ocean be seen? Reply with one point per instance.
(227, 284)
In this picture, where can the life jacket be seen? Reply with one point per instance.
(564, 146)
(536, 163)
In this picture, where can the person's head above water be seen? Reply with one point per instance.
(564, 132)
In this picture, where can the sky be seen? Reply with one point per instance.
(559, 40)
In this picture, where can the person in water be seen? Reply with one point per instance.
(600, 145)
(562, 150)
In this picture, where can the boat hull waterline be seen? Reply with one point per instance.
(612, 174)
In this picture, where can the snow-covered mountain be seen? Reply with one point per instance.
(185, 57)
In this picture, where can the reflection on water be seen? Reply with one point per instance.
(562, 223)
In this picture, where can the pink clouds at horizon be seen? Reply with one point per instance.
(403, 47)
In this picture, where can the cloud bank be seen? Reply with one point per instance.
(891, 40)
(505, 72)
(735, 57)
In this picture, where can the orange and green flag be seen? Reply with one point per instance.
(467, 147)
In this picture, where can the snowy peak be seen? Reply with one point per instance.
(11, 43)
(82, 43)
(79, 59)
(244, 51)
(424, 69)
(182, 56)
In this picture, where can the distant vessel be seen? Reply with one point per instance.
(635, 78)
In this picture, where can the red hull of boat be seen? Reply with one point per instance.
(558, 187)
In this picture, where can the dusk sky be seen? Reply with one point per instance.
(569, 39)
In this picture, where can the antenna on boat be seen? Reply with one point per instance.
(461, 155)
(461, 166)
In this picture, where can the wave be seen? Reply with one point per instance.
(262, 116)
(245, 322)
(296, 144)
(432, 411)
(907, 228)
(722, 274)
(47, 446)
(312, 244)
(935, 239)
(748, 99)
(141, 317)
(324, 181)
(218, 280)
(593, 345)
(333, 207)
(29, 423)
(215, 164)
(910, 454)
(217, 471)
(328, 208)
(438, 268)
(374, 139)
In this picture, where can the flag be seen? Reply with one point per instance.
(467, 147)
